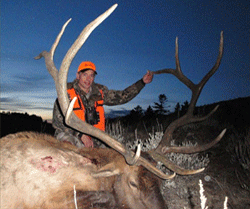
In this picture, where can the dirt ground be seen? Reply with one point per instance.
(221, 178)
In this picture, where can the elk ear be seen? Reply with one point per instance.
(107, 171)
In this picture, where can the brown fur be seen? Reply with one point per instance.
(37, 171)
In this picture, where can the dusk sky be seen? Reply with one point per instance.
(138, 36)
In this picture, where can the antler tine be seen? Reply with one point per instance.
(172, 166)
(164, 146)
(216, 65)
(49, 56)
(190, 150)
(154, 170)
(58, 38)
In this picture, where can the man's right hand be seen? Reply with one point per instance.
(87, 141)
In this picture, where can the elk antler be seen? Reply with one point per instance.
(71, 119)
(164, 146)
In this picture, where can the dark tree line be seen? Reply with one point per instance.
(235, 112)
(138, 118)
(160, 109)
(15, 122)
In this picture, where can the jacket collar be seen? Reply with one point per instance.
(93, 95)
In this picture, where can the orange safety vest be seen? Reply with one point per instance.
(79, 108)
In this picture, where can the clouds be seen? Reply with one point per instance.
(32, 81)
(32, 103)
(32, 93)
(20, 83)
(18, 101)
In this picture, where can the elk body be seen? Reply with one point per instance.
(37, 171)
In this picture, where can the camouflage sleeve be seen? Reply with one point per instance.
(58, 122)
(114, 97)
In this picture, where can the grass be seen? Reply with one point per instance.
(188, 161)
(203, 198)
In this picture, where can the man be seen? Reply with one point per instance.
(89, 105)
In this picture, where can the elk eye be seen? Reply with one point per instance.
(133, 184)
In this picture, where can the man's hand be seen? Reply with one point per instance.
(87, 141)
(148, 77)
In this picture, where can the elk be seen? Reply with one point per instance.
(37, 171)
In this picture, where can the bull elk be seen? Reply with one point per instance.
(37, 171)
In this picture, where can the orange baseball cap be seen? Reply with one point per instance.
(87, 65)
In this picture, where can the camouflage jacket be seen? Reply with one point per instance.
(110, 97)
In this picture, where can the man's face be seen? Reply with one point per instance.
(86, 79)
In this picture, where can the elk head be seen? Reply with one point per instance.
(60, 78)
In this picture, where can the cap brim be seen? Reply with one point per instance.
(83, 70)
